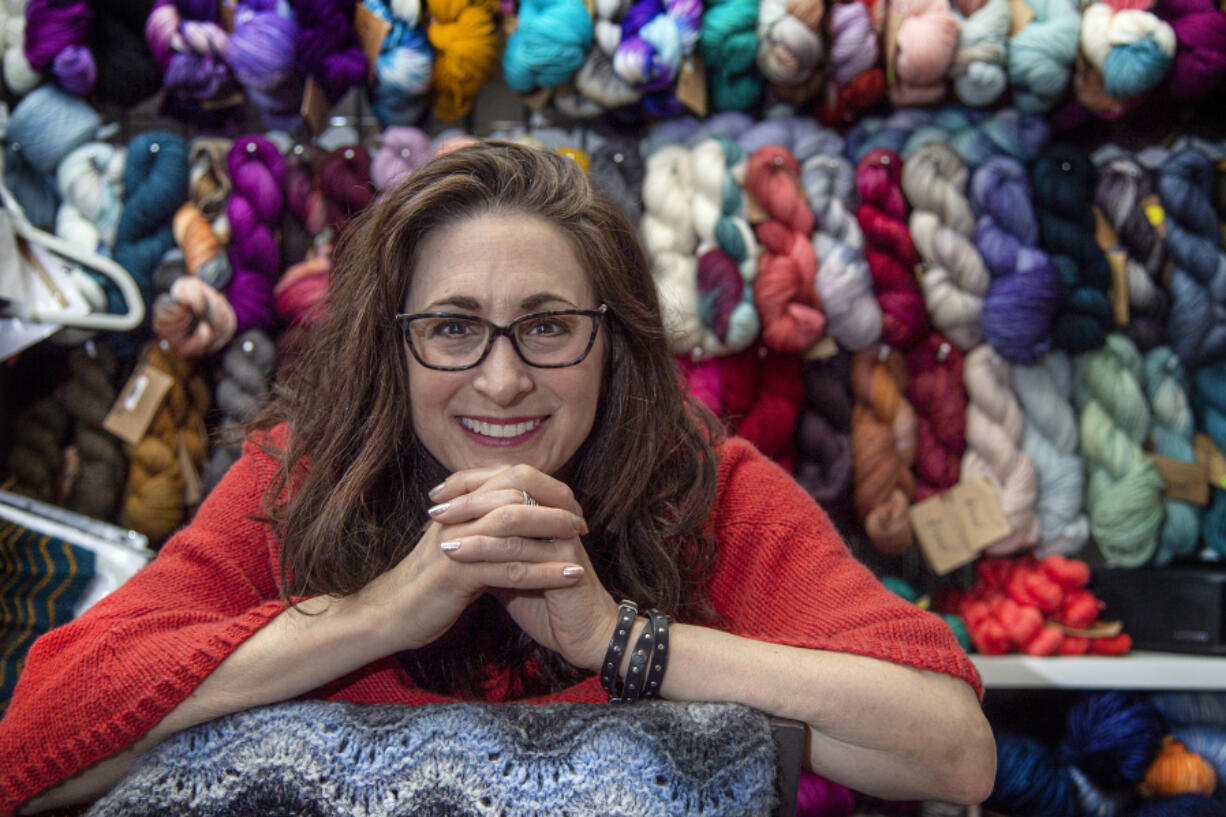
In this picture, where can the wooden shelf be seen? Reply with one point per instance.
(1137, 670)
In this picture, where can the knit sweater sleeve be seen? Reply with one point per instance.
(95, 685)
(783, 575)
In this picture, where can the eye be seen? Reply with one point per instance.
(545, 327)
(450, 328)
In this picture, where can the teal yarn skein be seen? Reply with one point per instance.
(1124, 489)
(551, 42)
(1041, 55)
(1170, 432)
(729, 46)
(1210, 402)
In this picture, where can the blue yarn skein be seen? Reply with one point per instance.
(1209, 398)
(891, 133)
(1185, 805)
(1113, 737)
(1208, 741)
(1041, 55)
(1171, 429)
(1095, 802)
(1197, 320)
(549, 45)
(404, 68)
(1029, 781)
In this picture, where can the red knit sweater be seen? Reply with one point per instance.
(95, 685)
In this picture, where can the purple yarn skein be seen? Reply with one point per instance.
(327, 47)
(56, 38)
(257, 172)
(1022, 298)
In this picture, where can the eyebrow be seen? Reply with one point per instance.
(531, 302)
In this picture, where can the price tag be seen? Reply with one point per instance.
(1211, 457)
(893, 22)
(372, 30)
(1101, 629)
(315, 107)
(825, 348)
(1185, 481)
(692, 85)
(954, 527)
(538, 99)
(138, 402)
(193, 489)
(1021, 14)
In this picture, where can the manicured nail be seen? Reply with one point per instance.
(433, 492)
(579, 524)
(572, 572)
(449, 546)
(439, 509)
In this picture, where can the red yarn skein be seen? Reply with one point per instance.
(938, 395)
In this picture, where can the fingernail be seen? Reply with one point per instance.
(572, 572)
(579, 524)
(438, 509)
(449, 546)
(433, 492)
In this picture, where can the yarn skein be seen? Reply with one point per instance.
(466, 53)
(1044, 390)
(938, 395)
(188, 45)
(667, 230)
(1129, 47)
(19, 76)
(656, 37)
(1124, 192)
(617, 171)
(883, 440)
(87, 397)
(550, 42)
(1170, 432)
(790, 50)
(326, 46)
(728, 43)
(257, 171)
(823, 435)
(1209, 396)
(404, 67)
(194, 318)
(57, 41)
(403, 150)
(856, 82)
(1200, 47)
(35, 458)
(1112, 737)
(247, 368)
(892, 257)
(1041, 54)
(891, 133)
(1023, 296)
(785, 291)
(1030, 782)
(261, 53)
(955, 279)
(1124, 490)
(927, 39)
(979, 69)
(1062, 178)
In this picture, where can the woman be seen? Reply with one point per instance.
(568, 470)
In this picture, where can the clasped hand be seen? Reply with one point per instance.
(483, 538)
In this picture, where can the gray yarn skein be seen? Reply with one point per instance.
(617, 170)
(248, 365)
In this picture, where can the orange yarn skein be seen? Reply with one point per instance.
(784, 291)
(194, 235)
(466, 45)
(1176, 770)
(883, 442)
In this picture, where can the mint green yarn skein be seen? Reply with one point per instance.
(1171, 429)
(1041, 55)
(1123, 488)
(729, 47)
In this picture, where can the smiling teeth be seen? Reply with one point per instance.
(495, 430)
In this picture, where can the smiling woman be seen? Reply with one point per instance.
(484, 446)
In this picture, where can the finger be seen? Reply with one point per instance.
(540, 486)
(463, 482)
(467, 507)
(509, 549)
(532, 522)
(526, 575)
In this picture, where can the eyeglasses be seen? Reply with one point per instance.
(547, 340)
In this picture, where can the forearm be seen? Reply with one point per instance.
(878, 727)
(293, 654)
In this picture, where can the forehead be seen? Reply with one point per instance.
(497, 259)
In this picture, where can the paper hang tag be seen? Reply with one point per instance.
(193, 489)
(889, 41)
(1117, 260)
(1211, 457)
(1101, 629)
(1185, 481)
(538, 99)
(12, 280)
(1021, 14)
(823, 349)
(955, 526)
(1104, 234)
(225, 15)
(692, 85)
(315, 107)
(372, 30)
(754, 213)
(138, 402)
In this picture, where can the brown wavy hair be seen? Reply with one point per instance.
(356, 502)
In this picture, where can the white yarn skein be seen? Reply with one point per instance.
(788, 50)
(668, 236)
(90, 180)
(1044, 391)
(19, 76)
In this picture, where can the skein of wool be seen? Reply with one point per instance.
(617, 171)
(257, 170)
(246, 371)
(942, 224)
(1044, 390)
(790, 50)
(261, 52)
(727, 250)
(404, 66)
(978, 68)
(19, 76)
(728, 43)
(994, 427)
(57, 42)
(856, 81)
(194, 318)
(823, 435)
(35, 458)
(1178, 806)
(1207, 739)
(301, 292)
(599, 87)
(785, 291)
(1176, 771)
(883, 440)
(127, 73)
(1029, 780)
(1200, 47)
(1124, 492)
(1209, 396)
(1022, 298)
(667, 230)
(1170, 432)
(761, 396)
(466, 53)
(1112, 737)
(1130, 49)
(927, 38)
(188, 44)
(891, 255)
(1008, 132)
(90, 180)
(1197, 321)
(550, 42)
(155, 184)
(890, 133)
(1124, 192)
(154, 501)
(404, 149)
(344, 181)
(1062, 178)
(41, 131)
(301, 196)
(326, 47)
(1041, 54)
(656, 37)
(937, 392)
(87, 397)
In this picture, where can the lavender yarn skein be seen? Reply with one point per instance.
(261, 54)
(1022, 298)
(404, 149)
(257, 171)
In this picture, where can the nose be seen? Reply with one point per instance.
(503, 377)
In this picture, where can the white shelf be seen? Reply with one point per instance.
(1137, 670)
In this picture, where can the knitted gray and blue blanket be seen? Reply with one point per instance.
(327, 759)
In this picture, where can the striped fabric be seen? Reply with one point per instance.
(41, 579)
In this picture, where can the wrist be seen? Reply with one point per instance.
(636, 630)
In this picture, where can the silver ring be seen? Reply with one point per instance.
(528, 500)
